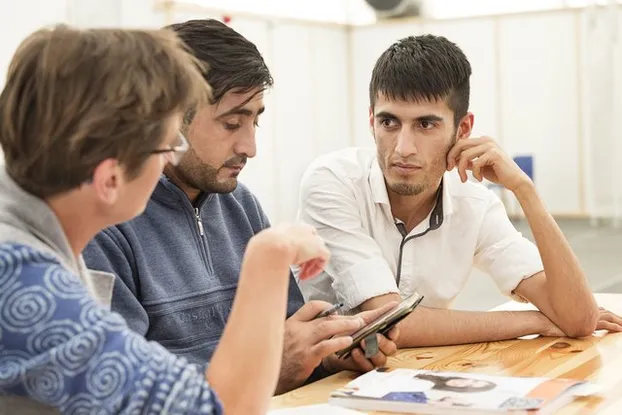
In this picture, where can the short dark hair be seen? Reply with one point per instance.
(234, 62)
(425, 67)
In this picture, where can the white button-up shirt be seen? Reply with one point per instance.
(344, 196)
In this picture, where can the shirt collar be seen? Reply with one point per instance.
(380, 196)
(378, 185)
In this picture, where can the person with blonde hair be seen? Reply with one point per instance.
(88, 120)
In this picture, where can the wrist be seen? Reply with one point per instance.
(272, 247)
(524, 188)
(540, 323)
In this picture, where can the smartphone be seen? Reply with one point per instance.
(383, 324)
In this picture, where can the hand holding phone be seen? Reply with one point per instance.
(383, 324)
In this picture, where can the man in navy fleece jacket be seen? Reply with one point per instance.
(178, 263)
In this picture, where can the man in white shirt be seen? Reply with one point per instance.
(404, 217)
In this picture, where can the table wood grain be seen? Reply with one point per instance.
(597, 359)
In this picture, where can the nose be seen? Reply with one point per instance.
(246, 144)
(405, 145)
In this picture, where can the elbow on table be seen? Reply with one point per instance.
(583, 325)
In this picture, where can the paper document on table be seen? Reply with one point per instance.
(316, 409)
(434, 392)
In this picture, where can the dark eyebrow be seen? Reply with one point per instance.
(240, 111)
(429, 118)
(385, 114)
(421, 118)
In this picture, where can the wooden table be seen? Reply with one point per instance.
(598, 359)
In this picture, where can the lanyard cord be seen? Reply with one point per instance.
(402, 230)
(436, 220)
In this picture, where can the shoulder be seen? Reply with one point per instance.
(350, 167)
(351, 162)
(34, 288)
(16, 259)
(472, 201)
(471, 191)
(26, 266)
(110, 241)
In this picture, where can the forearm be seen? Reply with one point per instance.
(571, 304)
(245, 366)
(439, 327)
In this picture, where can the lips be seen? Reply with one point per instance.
(236, 167)
(405, 168)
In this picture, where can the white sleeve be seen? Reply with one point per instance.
(503, 252)
(357, 269)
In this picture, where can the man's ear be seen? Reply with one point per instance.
(465, 126)
(371, 122)
(107, 181)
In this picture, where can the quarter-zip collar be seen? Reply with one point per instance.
(170, 194)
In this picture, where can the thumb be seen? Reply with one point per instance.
(310, 310)
(372, 315)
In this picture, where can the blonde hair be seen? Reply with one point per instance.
(74, 98)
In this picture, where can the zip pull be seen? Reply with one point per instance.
(199, 221)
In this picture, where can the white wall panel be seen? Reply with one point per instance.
(601, 49)
(141, 14)
(539, 102)
(330, 83)
(309, 103)
(116, 13)
(96, 13)
(294, 128)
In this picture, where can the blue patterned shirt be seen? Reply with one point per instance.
(59, 347)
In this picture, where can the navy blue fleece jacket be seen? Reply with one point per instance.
(177, 266)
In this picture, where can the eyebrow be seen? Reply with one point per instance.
(385, 114)
(421, 118)
(240, 111)
(429, 118)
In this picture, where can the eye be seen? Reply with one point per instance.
(256, 123)
(426, 125)
(388, 122)
(231, 127)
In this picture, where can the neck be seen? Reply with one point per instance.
(78, 223)
(412, 210)
(191, 192)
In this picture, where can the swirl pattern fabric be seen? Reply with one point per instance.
(59, 347)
